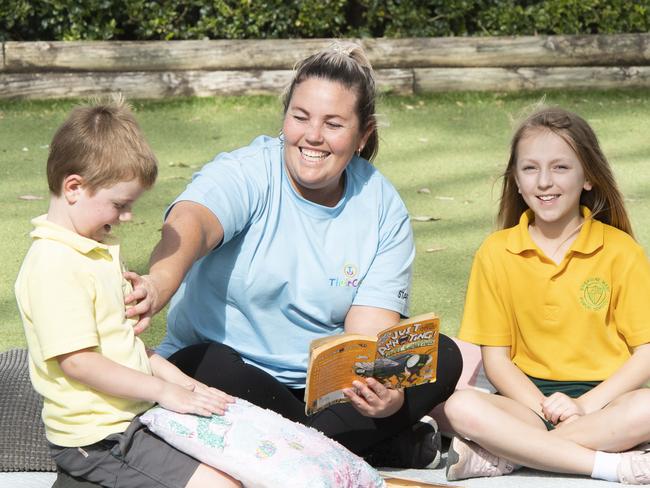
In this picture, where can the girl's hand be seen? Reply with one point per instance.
(372, 399)
(560, 407)
(142, 298)
(195, 398)
(567, 421)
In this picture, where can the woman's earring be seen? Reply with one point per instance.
(359, 151)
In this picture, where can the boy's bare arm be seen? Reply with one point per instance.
(100, 373)
(163, 369)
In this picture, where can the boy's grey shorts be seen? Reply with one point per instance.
(135, 458)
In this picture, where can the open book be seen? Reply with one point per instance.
(401, 356)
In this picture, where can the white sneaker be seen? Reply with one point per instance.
(466, 459)
(634, 468)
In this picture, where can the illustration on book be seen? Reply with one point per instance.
(400, 356)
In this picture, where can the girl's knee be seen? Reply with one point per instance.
(638, 404)
(463, 408)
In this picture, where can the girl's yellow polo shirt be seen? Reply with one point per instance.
(70, 293)
(572, 321)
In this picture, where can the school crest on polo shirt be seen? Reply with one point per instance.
(594, 294)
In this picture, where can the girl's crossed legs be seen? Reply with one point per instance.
(514, 432)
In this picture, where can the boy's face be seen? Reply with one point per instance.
(96, 213)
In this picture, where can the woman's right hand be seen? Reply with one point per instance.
(189, 233)
(142, 301)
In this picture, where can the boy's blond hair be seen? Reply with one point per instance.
(104, 145)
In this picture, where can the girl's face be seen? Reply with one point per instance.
(322, 133)
(550, 179)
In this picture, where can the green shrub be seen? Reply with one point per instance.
(59, 20)
(257, 19)
(413, 18)
(565, 17)
(236, 19)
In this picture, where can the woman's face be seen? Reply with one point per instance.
(322, 133)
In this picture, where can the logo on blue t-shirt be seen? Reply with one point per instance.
(349, 278)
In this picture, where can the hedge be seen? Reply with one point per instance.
(30, 20)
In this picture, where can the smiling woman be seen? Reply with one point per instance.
(288, 240)
(329, 115)
(322, 132)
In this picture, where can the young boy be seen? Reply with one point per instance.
(93, 372)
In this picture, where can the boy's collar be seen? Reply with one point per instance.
(44, 229)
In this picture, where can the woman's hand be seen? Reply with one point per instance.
(141, 302)
(372, 399)
(560, 407)
(189, 233)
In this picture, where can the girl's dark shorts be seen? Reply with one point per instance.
(574, 389)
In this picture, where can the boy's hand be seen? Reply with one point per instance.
(373, 399)
(141, 299)
(195, 398)
(198, 386)
(559, 407)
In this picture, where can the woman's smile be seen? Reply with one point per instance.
(322, 133)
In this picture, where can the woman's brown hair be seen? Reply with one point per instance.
(345, 63)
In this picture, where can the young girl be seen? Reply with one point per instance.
(558, 302)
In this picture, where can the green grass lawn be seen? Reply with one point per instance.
(453, 145)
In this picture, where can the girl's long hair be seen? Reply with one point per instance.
(604, 199)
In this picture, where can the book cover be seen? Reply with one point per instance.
(400, 356)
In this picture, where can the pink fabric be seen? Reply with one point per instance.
(262, 449)
(472, 364)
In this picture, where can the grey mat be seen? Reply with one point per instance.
(22, 435)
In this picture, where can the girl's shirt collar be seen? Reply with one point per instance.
(589, 239)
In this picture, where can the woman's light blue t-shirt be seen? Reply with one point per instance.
(288, 270)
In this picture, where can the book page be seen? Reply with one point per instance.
(332, 368)
(407, 354)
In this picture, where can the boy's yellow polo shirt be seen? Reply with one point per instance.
(572, 321)
(70, 293)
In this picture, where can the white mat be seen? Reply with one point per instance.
(27, 480)
(522, 478)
